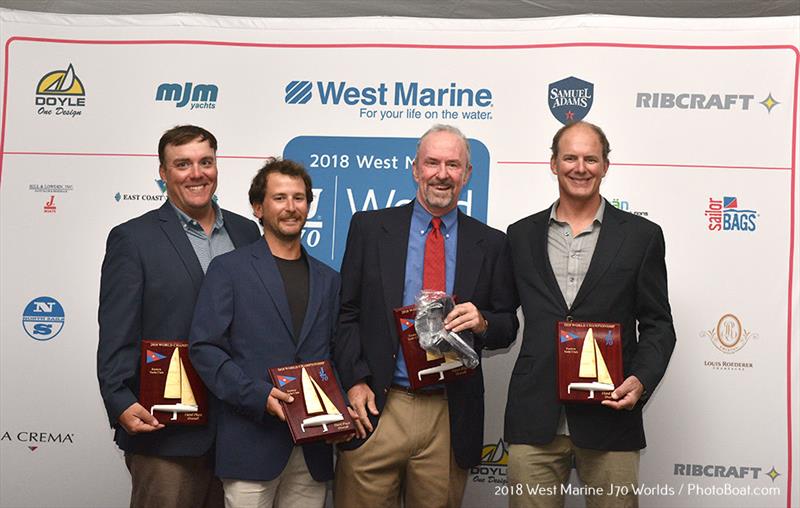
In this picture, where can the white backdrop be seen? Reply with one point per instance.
(717, 145)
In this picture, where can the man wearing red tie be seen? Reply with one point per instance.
(418, 445)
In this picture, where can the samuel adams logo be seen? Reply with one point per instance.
(570, 99)
(61, 93)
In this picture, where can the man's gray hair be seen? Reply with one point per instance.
(440, 127)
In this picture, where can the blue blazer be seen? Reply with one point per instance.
(148, 287)
(242, 326)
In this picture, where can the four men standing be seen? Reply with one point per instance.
(269, 303)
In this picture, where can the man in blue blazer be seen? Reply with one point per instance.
(268, 304)
(151, 274)
(423, 442)
(583, 260)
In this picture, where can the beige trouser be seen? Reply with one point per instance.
(536, 474)
(293, 488)
(173, 482)
(408, 456)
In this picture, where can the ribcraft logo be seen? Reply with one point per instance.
(60, 93)
(400, 99)
(726, 215)
(704, 101)
(570, 99)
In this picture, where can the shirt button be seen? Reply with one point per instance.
(572, 279)
(574, 255)
(394, 357)
(566, 233)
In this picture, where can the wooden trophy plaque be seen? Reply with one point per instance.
(589, 357)
(424, 368)
(318, 411)
(169, 387)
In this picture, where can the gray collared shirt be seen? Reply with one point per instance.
(570, 255)
(205, 247)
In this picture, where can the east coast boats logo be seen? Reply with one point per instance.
(493, 465)
(162, 187)
(570, 99)
(60, 93)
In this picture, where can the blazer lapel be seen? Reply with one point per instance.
(236, 234)
(612, 235)
(469, 257)
(541, 260)
(392, 259)
(177, 236)
(267, 271)
(314, 298)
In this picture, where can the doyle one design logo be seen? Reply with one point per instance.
(60, 93)
(726, 215)
(197, 96)
(43, 318)
(570, 99)
(412, 93)
(493, 465)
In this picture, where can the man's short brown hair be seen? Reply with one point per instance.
(182, 134)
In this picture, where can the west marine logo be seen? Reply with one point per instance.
(688, 100)
(197, 96)
(412, 94)
(570, 99)
(59, 93)
(493, 465)
(725, 215)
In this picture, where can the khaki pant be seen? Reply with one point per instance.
(536, 474)
(293, 488)
(173, 482)
(408, 456)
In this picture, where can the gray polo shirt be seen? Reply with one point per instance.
(205, 247)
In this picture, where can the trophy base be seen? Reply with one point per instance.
(440, 369)
(174, 409)
(320, 421)
(590, 387)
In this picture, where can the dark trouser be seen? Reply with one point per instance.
(173, 482)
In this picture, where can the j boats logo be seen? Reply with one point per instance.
(729, 336)
(726, 215)
(570, 99)
(493, 465)
(43, 318)
(391, 101)
(60, 93)
(196, 96)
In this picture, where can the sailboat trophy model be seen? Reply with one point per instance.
(588, 371)
(169, 384)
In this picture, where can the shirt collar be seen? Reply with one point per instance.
(185, 220)
(598, 216)
(422, 217)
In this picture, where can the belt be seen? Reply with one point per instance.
(420, 391)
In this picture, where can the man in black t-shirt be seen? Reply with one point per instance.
(266, 305)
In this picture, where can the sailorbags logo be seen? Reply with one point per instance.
(570, 99)
(60, 93)
(726, 215)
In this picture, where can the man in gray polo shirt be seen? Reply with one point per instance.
(151, 275)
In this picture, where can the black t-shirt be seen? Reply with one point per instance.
(294, 273)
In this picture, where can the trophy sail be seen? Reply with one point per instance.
(177, 387)
(320, 409)
(592, 366)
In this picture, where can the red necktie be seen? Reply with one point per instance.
(433, 272)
